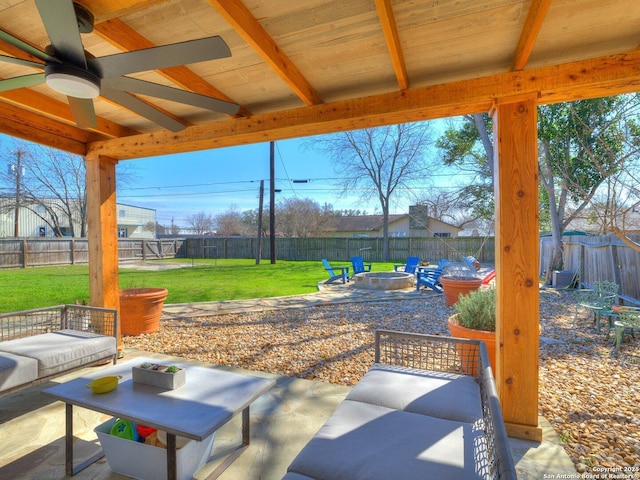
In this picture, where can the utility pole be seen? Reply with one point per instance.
(272, 213)
(17, 170)
(260, 208)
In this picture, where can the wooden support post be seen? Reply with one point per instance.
(102, 234)
(517, 252)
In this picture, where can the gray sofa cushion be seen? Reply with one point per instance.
(62, 350)
(438, 394)
(369, 442)
(16, 370)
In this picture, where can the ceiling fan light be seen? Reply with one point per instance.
(72, 81)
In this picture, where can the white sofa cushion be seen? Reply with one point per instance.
(437, 394)
(16, 370)
(369, 442)
(62, 350)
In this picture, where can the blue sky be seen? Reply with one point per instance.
(215, 181)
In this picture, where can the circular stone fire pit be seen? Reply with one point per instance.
(384, 280)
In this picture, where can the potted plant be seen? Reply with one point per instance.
(158, 375)
(457, 279)
(475, 318)
(141, 310)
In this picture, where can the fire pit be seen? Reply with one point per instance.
(384, 280)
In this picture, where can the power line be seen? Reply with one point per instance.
(285, 179)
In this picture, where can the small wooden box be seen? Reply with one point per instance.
(158, 377)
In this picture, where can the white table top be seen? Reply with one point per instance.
(207, 400)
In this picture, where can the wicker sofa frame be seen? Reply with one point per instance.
(39, 344)
(427, 408)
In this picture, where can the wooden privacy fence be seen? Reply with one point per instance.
(38, 252)
(342, 249)
(31, 252)
(601, 258)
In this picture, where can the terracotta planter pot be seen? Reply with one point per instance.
(455, 286)
(141, 309)
(489, 339)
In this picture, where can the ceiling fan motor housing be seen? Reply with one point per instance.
(84, 18)
(72, 81)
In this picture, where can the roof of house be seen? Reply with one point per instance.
(362, 223)
(370, 223)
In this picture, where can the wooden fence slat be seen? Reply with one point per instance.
(591, 258)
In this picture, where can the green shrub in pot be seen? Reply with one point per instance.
(477, 309)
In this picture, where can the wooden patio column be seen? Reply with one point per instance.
(517, 251)
(102, 233)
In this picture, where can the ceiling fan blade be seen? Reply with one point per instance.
(141, 108)
(21, 82)
(83, 112)
(27, 48)
(19, 61)
(60, 21)
(134, 85)
(165, 56)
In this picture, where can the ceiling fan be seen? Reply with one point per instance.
(69, 69)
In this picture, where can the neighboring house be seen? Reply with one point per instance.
(416, 223)
(32, 220)
(593, 224)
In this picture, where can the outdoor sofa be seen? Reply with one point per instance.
(38, 344)
(419, 412)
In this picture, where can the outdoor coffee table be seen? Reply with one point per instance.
(208, 400)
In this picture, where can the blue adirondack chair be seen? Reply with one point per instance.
(409, 267)
(430, 277)
(333, 275)
(359, 266)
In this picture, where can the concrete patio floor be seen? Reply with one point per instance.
(282, 422)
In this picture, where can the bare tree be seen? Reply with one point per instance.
(51, 184)
(618, 205)
(302, 217)
(201, 223)
(377, 162)
(230, 222)
(443, 206)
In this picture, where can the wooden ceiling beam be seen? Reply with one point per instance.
(532, 25)
(56, 135)
(245, 25)
(49, 107)
(390, 30)
(119, 34)
(587, 79)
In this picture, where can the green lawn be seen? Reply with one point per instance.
(199, 281)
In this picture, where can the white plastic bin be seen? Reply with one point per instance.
(146, 462)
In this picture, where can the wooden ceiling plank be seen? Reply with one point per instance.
(104, 10)
(390, 30)
(240, 18)
(49, 107)
(585, 79)
(532, 25)
(119, 34)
